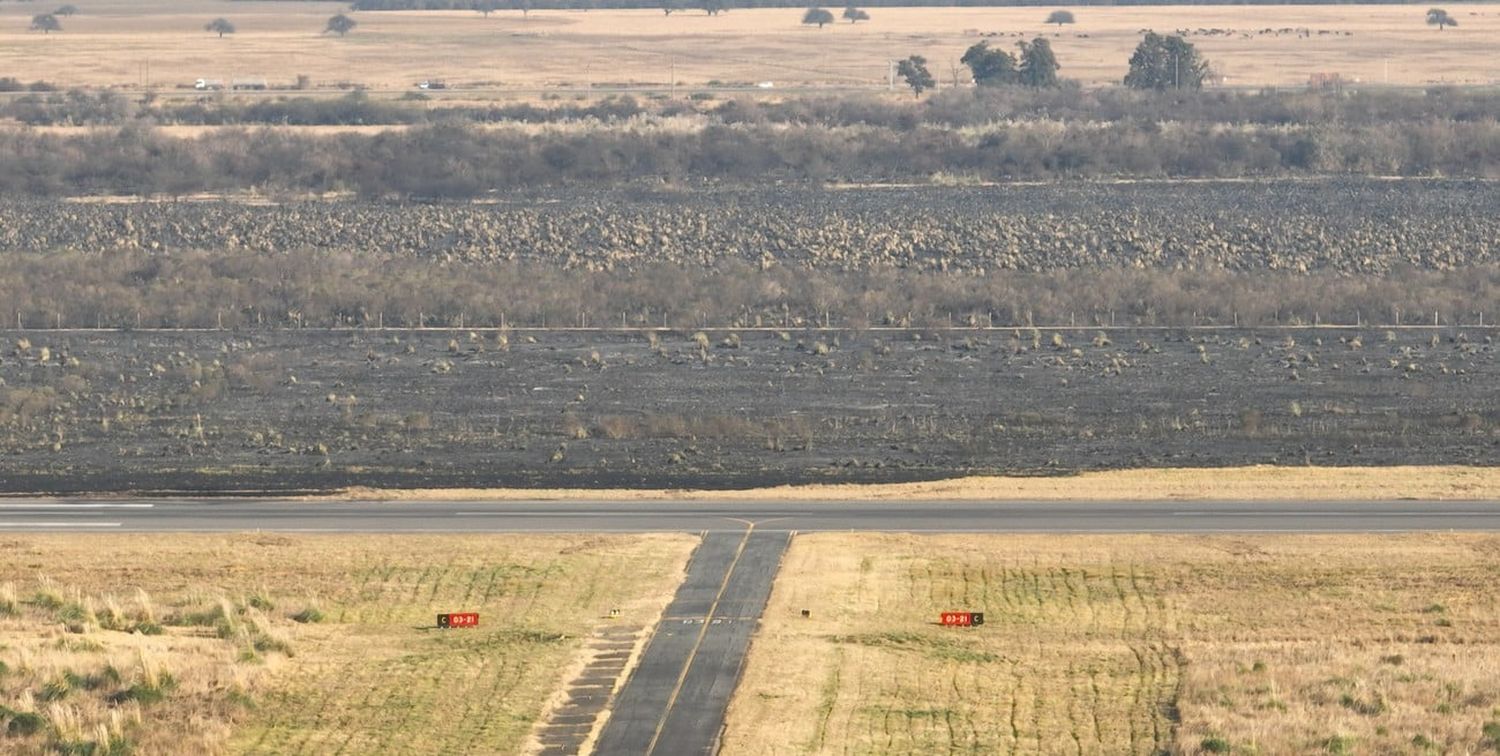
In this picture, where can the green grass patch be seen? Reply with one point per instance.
(948, 649)
(309, 615)
(21, 724)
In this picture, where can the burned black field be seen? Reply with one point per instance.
(303, 410)
(308, 346)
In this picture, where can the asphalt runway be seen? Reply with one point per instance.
(674, 702)
(242, 514)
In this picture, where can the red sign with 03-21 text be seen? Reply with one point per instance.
(961, 619)
(458, 619)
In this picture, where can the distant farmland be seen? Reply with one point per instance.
(121, 43)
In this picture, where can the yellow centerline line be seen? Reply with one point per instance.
(702, 632)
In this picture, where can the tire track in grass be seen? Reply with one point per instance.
(1098, 707)
(469, 589)
(1038, 703)
(506, 680)
(1015, 711)
(437, 584)
(853, 710)
(1072, 679)
(828, 698)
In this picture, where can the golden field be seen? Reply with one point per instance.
(162, 43)
(258, 643)
(1254, 483)
(1128, 644)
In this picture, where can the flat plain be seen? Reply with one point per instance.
(260, 643)
(1127, 644)
(162, 43)
(287, 409)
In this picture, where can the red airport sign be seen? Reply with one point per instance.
(458, 619)
(961, 619)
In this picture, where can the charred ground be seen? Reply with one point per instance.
(315, 409)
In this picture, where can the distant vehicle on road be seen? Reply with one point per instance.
(429, 84)
(253, 84)
(208, 84)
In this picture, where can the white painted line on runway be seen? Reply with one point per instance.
(44, 505)
(59, 524)
(1353, 513)
(610, 515)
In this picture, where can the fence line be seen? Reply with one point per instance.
(295, 322)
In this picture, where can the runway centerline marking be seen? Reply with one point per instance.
(1352, 513)
(713, 609)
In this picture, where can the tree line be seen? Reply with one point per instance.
(391, 5)
(458, 161)
(946, 109)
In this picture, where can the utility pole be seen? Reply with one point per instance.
(672, 65)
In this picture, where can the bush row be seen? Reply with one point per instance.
(448, 161)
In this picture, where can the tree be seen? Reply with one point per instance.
(1161, 62)
(220, 26)
(340, 25)
(45, 23)
(667, 6)
(1440, 18)
(524, 6)
(714, 7)
(989, 68)
(66, 10)
(914, 71)
(1038, 66)
(486, 7)
(1060, 17)
(854, 14)
(817, 16)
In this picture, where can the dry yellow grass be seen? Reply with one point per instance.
(235, 672)
(1133, 644)
(1258, 483)
(114, 42)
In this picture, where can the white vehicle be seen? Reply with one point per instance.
(766, 85)
(208, 84)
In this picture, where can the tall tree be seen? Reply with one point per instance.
(714, 7)
(340, 25)
(1038, 67)
(1060, 17)
(486, 7)
(853, 14)
(914, 71)
(219, 26)
(989, 68)
(524, 6)
(817, 16)
(1440, 18)
(45, 23)
(1166, 62)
